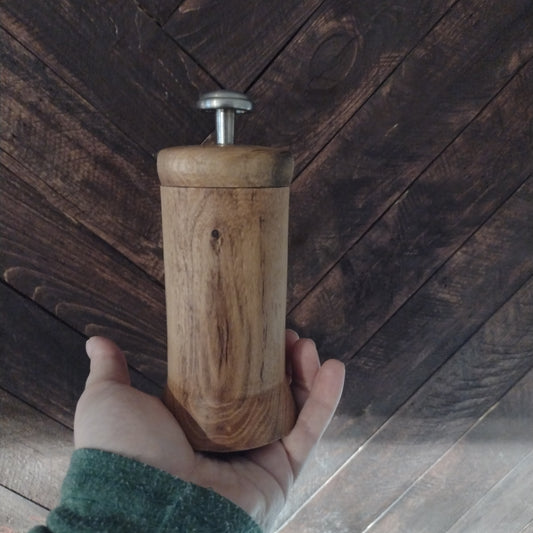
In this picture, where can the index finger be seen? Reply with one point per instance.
(316, 414)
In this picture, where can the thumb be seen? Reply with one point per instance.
(107, 362)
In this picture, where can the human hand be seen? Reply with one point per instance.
(113, 416)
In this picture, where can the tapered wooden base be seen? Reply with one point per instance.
(230, 426)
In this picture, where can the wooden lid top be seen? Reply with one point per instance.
(227, 166)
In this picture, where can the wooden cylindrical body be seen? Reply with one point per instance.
(225, 224)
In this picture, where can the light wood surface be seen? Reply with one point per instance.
(225, 252)
(224, 166)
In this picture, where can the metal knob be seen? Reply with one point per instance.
(226, 104)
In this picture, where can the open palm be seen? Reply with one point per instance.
(113, 416)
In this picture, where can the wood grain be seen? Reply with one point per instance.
(225, 250)
(58, 144)
(403, 126)
(207, 29)
(507, 506)
(475, 476)
(35, 452)
(35, 344)
(490, 267)
(17, 514)
(440, 412)
(339, 58)
(229, 166)
(118, 59)
(80, 279)
(159, 10)
(425, 226)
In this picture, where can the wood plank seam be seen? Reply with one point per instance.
(450, 450)
(36, 408)
(478, 79)
(98, 104)
(376, 89)
(61, 321)
(517, 373)
(442, 265)
(287, 43)
(23, 497)
(6, 158)
(33, 302)
(394, 200)
(10, 163)
(391, 415)
(74, 89)
(501, 482)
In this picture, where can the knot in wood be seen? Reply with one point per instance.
(333, 60)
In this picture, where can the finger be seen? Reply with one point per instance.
(305, 366)
(316, 414)
(107, 362)
(291, 337)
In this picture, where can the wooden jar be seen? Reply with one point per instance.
(225, 224)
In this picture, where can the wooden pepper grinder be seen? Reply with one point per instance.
(225, 224)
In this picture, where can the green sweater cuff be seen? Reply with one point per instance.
(107, 492)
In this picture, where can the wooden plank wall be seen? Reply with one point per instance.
(411, 248)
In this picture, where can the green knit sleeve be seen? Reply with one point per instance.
(105, 492)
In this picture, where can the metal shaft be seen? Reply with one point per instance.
(226, 104)
(225, 126)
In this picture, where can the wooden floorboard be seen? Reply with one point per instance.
(44, 361)
(35, 452)
(159, 10)
(491, 266)
(274, 22)
(425, 226)
(411, 250)
(17, 514)
(344, 191)
(50, 266)
(119, 76)
(473, 475)
(428, 425)
(312, 89)
(507, 507)
(59, 144)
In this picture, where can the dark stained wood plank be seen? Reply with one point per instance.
(160, 10)
(484, 460)
(43, 361)
(490, 267)
(424, 428)
(210, 31)
(336, 61)
(35, 452)
(77, 159)
(17, 514)
(80, 279)
(435, 322)
(400, 130)
(508, 507)
(121, 61)
(425, 226)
